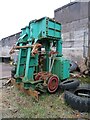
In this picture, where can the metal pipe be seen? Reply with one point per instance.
(19, 47)
(26, 46)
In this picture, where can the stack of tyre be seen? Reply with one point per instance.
(76, 95)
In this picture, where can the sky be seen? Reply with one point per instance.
(16, 14)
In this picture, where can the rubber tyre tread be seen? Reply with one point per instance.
(70, 84)
(76, 102)
(84, 86)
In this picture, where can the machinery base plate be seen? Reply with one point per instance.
(35, 94)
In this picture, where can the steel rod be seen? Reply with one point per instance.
(26, 46)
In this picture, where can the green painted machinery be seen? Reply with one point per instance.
(41, 65)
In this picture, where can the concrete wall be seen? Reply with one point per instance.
(75, 39)
(72, 12)
(89, 33)
(10, 40)
(7, 43)
(74, 18)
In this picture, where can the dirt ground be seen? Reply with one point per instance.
(15, 104)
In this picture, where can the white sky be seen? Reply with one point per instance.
(16, 14)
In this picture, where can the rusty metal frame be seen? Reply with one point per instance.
(35, 94)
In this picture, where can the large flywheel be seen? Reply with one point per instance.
(53, 83)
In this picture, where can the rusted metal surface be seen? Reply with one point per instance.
(34, 50)
(33, 93)
(19, 47)
(52, 53)
(53, 83)
(43, 75)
